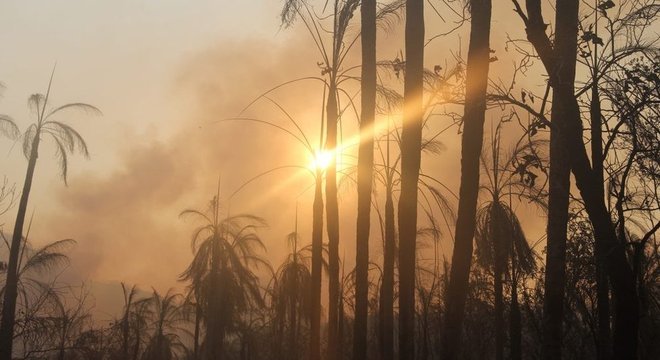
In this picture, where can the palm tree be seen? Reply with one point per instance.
(317, 208)
(333, 57)
(35, 291)
(225, 253)
(67, 140)
(501, 242)
(129, 302)
(292, 293)
(365, 175)
(471, 144)
(167, 318)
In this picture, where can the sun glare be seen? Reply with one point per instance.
(322, 160)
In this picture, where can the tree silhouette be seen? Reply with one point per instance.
(225, 253)
(167, 316)
(471, 144)
(501, 242)
(411, 147)
(365, 175)
(67, 140)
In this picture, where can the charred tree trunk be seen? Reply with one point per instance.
(365, 176)
(559, 181)
(411, 140)
(198, 319)
(332, 214)
(317, 260)
(11, 285)
(602, 287)
(387, 287)
(471, 145)
(515, 325)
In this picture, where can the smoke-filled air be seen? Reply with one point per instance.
(330, 180)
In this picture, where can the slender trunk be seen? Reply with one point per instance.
(387, 288)
(198, 317)
(471, 144)
(626, 325)
(515, 326)
(499, 262)
(559, 180)
(332, 214)
(62, 342)
(602, 287)
(125, 331)
(365, 176)
(411, 139)
(138, 337)
(214, 338)
(293, 349)
(11, 285)
(317, 259)
(499, 311)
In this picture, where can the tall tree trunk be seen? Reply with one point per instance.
(515, 326)
(618, 269)
(198, 318)
(293, 349)
(332, 214)
(365, 176)
(317, 260)
(559, 182)
(499, 263)
(602, 287)
(411, 140)
(387, 287)
(215, 328)
(11, 285)
(471, 144)
(498, 269)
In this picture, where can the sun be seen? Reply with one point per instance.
(322, 160)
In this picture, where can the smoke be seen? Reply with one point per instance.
(127, 224)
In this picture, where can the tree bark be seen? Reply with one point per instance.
(411, 140)
(365, 176)
(332, 214)
(602, 287)
(471, 145)
(317, 260)
(387, 287)
(559, 182)
(11, 285)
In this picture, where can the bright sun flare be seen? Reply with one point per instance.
(322, 160)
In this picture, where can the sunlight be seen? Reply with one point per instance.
(322, 160)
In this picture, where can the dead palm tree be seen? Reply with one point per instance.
(48, 124)
(501, 242)
(35, 291)
(167, 319)
(225, 253)
(292, 294)
(341, 13)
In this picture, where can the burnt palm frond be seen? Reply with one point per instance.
(8, 127)
(390, 14)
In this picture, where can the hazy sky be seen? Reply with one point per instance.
(162, 72)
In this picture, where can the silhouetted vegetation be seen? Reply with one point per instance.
(586, 287)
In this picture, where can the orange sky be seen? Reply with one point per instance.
(163, 72)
